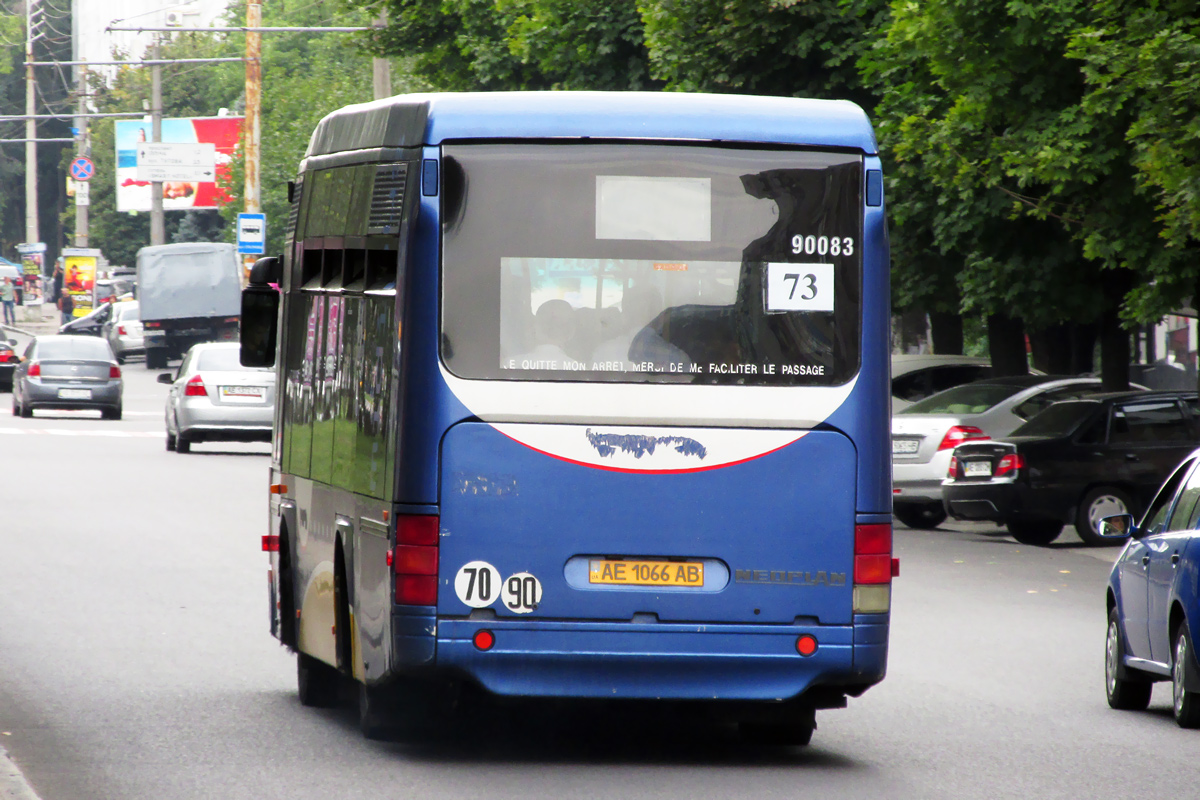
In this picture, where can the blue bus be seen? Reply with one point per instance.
(582, 395)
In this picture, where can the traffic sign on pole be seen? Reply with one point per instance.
(252, 233)
(82, 168)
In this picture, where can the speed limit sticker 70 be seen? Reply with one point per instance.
(477, 584)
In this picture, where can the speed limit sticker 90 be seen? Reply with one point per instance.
(477, 584)
(522, 593)
(799, 287)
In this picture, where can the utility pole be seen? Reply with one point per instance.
(31, 187)
(157, 232)
(81, 136)
(253, 129)
(381, 68)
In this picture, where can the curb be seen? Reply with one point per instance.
(13, 785)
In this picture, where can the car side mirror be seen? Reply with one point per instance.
(1117, 527)
(165, 377)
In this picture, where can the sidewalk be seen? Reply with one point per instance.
(34, 321)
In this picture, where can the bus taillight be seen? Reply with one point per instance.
(415, 560)
(873, 568)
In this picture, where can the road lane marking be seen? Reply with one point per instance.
(77, 432)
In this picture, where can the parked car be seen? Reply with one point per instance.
(915, 377)
(1154, 601)
(925, 434)
(68, 372)
(1078, 461)
(213, 398)
(90, 324)
(123, 330)
(8, 363)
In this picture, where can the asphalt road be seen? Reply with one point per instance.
(135, 663)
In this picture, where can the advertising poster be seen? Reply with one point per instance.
(134, 194)
(32, 259)
(79, 277)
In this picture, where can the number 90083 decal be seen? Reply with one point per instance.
(478, 585)
(822, 245)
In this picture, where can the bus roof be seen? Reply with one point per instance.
(413, 120)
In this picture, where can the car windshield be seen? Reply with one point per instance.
(973, 398)
(225, 359)
(74, 347)
(1060, 419)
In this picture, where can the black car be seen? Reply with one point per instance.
(91, 324)
(8, 363)
(1078, 461)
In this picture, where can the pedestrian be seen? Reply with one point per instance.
(66, 304)
(58, 283)
(7, 296)
(19, 289)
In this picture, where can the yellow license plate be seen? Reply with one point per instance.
(646, 573)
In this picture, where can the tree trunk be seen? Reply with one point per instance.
(1006, 346)
(947, 333)
(1051, 349)
(1083, 347)
(1114, 352)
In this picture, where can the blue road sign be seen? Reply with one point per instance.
(82, 168)
(252, 233)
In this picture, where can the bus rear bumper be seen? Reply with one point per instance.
(659, 661)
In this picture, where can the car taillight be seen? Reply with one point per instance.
(121, 331)
(35, 370)
(195, 388)
(952, 473)
(873, 568)
(415, 559)
(13, 359)
(114, 371)
(959, 434)
(1010, 463)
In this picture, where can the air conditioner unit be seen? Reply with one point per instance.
(174, 19)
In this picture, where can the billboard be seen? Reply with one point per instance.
(133, 193)
(79, 277)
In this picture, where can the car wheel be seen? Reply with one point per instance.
(921, 516)
(1034, 531)
(1186, 704)
(170, 441)
(111, 413)
(26, 411)
(1123, 694)
(1101, 502)
(317, 683)
(182, 444)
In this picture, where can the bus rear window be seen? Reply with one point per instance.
(651, 263)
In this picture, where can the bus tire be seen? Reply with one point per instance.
(317, 683)
(376, 713)
(777, 734)
(287, 595)
(1034, 531)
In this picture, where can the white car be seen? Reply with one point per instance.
(925, 434)
(213, 398)
(124, 330)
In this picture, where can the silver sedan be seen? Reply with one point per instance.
(213, 398)
(925, 434)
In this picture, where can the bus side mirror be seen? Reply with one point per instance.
(260, 314)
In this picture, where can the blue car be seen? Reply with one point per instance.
(1154, 599)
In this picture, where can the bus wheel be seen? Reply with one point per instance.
(317, 683)
(777, 734)
(376, 711)
(1034, 531)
